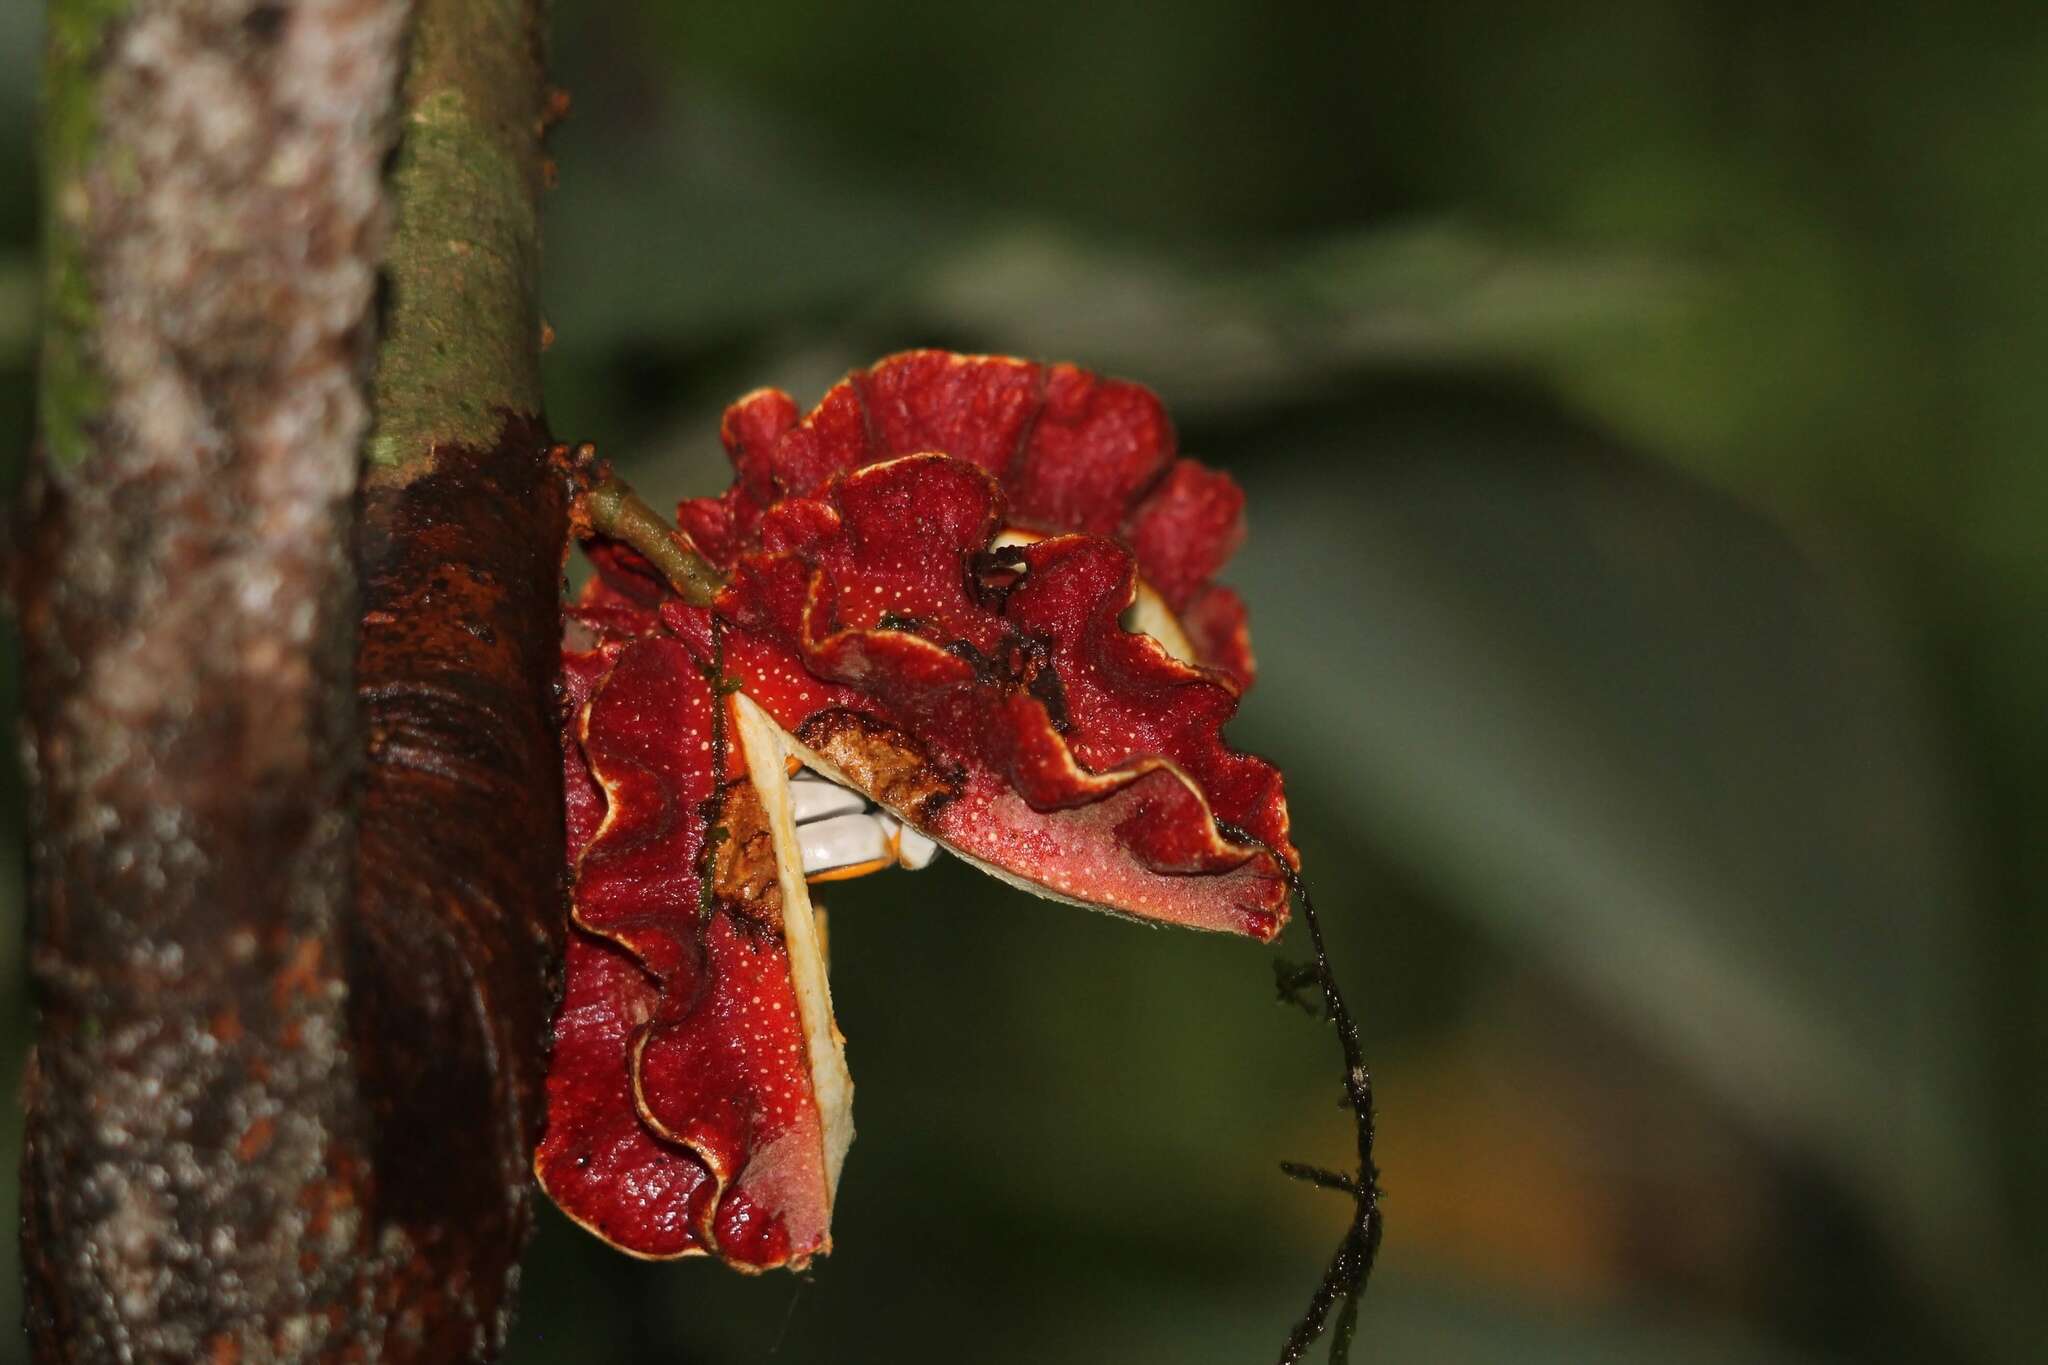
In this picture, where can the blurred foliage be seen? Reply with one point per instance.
(1639, 408)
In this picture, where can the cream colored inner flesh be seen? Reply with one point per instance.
(1149, 615)
(766, 751)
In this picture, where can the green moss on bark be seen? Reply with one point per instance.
(71, 390)
(461, 348)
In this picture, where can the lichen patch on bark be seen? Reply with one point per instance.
(463, 343)
(214, 223)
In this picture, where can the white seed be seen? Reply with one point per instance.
(816, 799)
(915, 850)
(842, 841)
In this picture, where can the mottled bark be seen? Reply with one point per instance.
(195, 1171)
(289, 1057)
(462, 901)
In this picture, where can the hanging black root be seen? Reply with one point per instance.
(1351, 1266)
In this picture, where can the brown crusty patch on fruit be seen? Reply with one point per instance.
(881, 761)
(743, 863)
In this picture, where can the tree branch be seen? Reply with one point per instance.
(462, 903)
(290, 1056)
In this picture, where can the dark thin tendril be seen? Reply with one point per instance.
(1351, 1266)
(1321, 1177)
(1293, 978)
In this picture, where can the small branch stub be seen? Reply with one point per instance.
(606, 505)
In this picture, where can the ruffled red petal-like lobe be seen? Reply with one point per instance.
(639, 882)
(1074, 755)
(1097, 445)
(1073, 451)
(598, 1161)
(974, 408)
(583, 799)
(1127, 701)
(721, 527)
(681, 1112)
(621, 602)
(1186, 529)
(1220, 630)
(751, 430)
(902, 537)
(832, 437)
(726, 1076)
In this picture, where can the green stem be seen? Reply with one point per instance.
(608, 505)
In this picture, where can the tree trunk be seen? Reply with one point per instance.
(288, 1064)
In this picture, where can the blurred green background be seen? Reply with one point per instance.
(1642, 410)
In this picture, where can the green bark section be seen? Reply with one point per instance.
(461, 348)
(72, 391)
